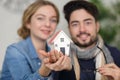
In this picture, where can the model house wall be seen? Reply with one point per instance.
(61, 42)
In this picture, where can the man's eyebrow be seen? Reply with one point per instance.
(74, 22)
(88, 19)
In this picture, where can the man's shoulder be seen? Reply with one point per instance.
(115, 53)
(113, 49)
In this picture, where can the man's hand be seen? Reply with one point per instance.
(111, 70)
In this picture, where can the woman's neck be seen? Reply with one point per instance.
(38, 43)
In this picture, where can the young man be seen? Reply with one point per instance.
(94, 59)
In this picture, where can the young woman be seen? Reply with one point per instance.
(22, 61)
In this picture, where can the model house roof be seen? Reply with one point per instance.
(58, 35)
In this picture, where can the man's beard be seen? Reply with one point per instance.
(92, 41)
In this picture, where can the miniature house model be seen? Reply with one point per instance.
(61, 42)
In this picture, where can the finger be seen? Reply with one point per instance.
(110, 72)
(42, 52)
(111, 65)
(105, 71)
(46, 60)
(66, 63)
(57, 65)
(65, 60)
(52, 56)
(57, 54)
(61, 54)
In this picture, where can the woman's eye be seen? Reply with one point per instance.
(40, 18)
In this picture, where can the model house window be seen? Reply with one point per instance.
(62, 49)
(68, 45)
(61, 39)
(56, 45)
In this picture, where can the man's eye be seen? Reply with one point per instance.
(74, 24)
(88, 22)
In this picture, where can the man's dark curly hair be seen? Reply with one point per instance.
(80, 4)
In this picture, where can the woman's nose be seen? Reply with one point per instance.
(48, 23)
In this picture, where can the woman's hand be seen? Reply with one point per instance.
(55, 60)
(43, 70)
(48, 60)
(63, 63)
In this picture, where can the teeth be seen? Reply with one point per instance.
(83, 37)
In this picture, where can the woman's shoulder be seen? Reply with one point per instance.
(18, 47)
(20, 43)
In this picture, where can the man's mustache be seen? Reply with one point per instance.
(82, 33)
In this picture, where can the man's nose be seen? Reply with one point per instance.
(82, 28)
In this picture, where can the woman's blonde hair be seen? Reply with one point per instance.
(23, 31)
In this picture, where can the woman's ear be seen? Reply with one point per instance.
(28, 25)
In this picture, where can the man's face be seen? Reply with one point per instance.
(83, 28)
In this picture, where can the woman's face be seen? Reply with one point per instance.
(43, 23)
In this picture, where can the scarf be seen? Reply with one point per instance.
(99, 52)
